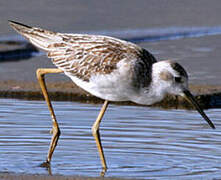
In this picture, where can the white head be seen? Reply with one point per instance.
(169, 77)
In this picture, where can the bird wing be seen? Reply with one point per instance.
(87, 55)
(77, 54)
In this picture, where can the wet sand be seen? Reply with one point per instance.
(7, 176)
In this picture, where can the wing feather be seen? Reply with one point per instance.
(87, 55)
(80, 55)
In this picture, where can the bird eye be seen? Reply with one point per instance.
(178, 79)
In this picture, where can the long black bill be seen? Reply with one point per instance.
(190, 97)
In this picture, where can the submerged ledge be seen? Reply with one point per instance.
(207, 96)
(11, 176)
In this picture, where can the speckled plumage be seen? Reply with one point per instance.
(85, 55)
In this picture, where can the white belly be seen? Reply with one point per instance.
(112, 87)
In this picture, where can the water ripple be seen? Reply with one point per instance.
(139, 142)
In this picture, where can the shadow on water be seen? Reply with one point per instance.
(139, 142)
(20, 51)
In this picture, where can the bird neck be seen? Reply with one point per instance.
(158, 87)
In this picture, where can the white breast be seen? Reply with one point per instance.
(115, 86)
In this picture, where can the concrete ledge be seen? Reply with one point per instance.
(207, 96)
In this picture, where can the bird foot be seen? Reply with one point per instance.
(45, 164)
(104, 170)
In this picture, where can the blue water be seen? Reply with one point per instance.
(139, 142)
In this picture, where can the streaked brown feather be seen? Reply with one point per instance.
(84, 55)
(90, 54)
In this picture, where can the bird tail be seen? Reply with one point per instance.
(39, 37)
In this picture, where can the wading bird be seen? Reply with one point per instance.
(109, 68)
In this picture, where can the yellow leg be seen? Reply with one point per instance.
(55, 128)
(96, 134)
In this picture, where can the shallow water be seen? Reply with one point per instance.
(139, 142)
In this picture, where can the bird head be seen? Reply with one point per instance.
(171, 78)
